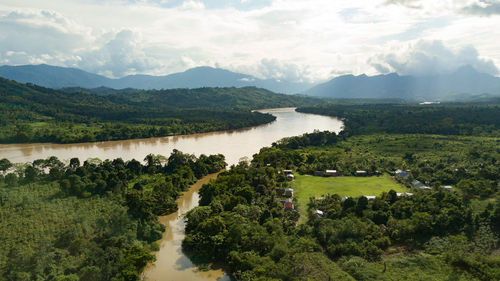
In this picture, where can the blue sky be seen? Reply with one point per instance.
(294, 40)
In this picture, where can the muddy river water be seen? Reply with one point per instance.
(233, 144)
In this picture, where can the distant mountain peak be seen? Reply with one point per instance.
(202, 68)
(213, 70)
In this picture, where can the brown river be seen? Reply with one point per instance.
(171, 263)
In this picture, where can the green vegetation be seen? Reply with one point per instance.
(310, 186)
(306, 186)
(404, 266)
(96, 221)
(30, 113)
(45, 234)
(444, 119)
(469, 163)
(433, 234)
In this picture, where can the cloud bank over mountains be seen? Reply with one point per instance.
(122, 54)
(431, 58)
(298, 41)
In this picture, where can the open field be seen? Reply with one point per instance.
(306, 186)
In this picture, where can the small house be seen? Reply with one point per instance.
(402, 174)
(361, 173)
(288, 192)
(417, 184)
(290, 176)
(286, 172)
(318, 213)
(331, 173)
(447, 187)
(288, 205)
(370, 197)
(399, 194)
(344, 198)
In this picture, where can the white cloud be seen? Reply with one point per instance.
(415, 4)
(247, 79)
(282, 39)
(431, 57)
(40, 36)
(192, 5)
(275, 69)
(120, 56)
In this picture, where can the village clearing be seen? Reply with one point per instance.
(306, 186)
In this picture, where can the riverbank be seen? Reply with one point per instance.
(233, 144)
(196, 121)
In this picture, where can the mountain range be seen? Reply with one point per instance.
(463, 82)
(61, 77)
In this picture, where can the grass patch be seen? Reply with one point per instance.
(413, 267)
(317, 266)
(479, 205)
(309, 186)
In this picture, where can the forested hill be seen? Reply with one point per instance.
(241, 98)
(30, 113)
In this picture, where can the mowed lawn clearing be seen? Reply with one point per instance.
(306, 186)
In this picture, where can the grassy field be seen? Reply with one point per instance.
(306, 186)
